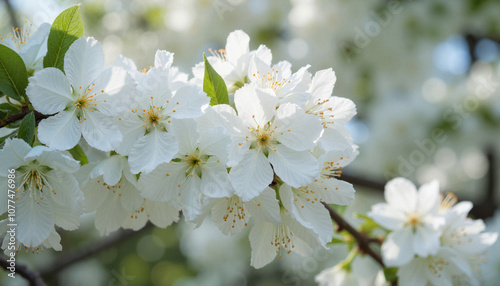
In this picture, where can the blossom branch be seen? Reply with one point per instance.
(11, 118)
(65, 260)
(33, 277)
(362, 240)
(368, 183)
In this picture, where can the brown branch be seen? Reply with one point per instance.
(33, 277)
(368, 183)
(11, 118)
(362, 240)
(67, 259)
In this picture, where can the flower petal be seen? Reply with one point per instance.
(255, 106)
(252, 175)
(100, 131)
(151, 150)
(83, 62)
(296, 168)
(61, 131)
(12, 155)
(191, 197)
(53, 159)
(265, 206)
(237, 45)
(114, 89)
(132, 128)
(215, 142)
(215, 179)
(296, 129)
(333, 191)
(401, 194)
(163, 183)
(387, 217)
(397, 249)
(185, 130)
(164, 59)
(110, 216)
(428, 197)
(308, 213)
(110, 168)
(49, 91)
(322, 85)
(426, 241)
(35, 221)
(161, 214)
(189, 102)
(261, 238)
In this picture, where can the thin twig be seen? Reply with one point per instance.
(11, 118)
(368, 183)
(33, 277)
(68, 259)
(486, 207)
(12, 14)
(362, 240)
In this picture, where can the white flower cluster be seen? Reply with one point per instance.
(431, 240)
(274, 153)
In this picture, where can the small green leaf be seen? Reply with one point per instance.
(214, 85)
(13, 75)
(10, 135)
(67, 28)
(27, 128)
(391, 274)
(79, 155)
(7, 107)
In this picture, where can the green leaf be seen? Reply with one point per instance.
(79, 155)
(391, 274)
(214, 85)
(67, 28)
(27, 128)
(7, 107)
(10, 135)
(13, 75)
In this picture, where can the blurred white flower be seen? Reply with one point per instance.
(412, 218)
(30, 46)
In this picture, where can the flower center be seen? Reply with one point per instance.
(283, 238)
(447, 202)
(153, 117)
(332, 169)
(319, 108)
(436, 266)
(34, 180)
(220, 53)
(235, 213)
(263, 136)
(194, 163)
(308, 195)
(413, 220)
(18, 37)
(85, 99)
(270, 80)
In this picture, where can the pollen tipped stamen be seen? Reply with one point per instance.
(220, 53)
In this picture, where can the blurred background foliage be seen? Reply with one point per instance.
(424, 75)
